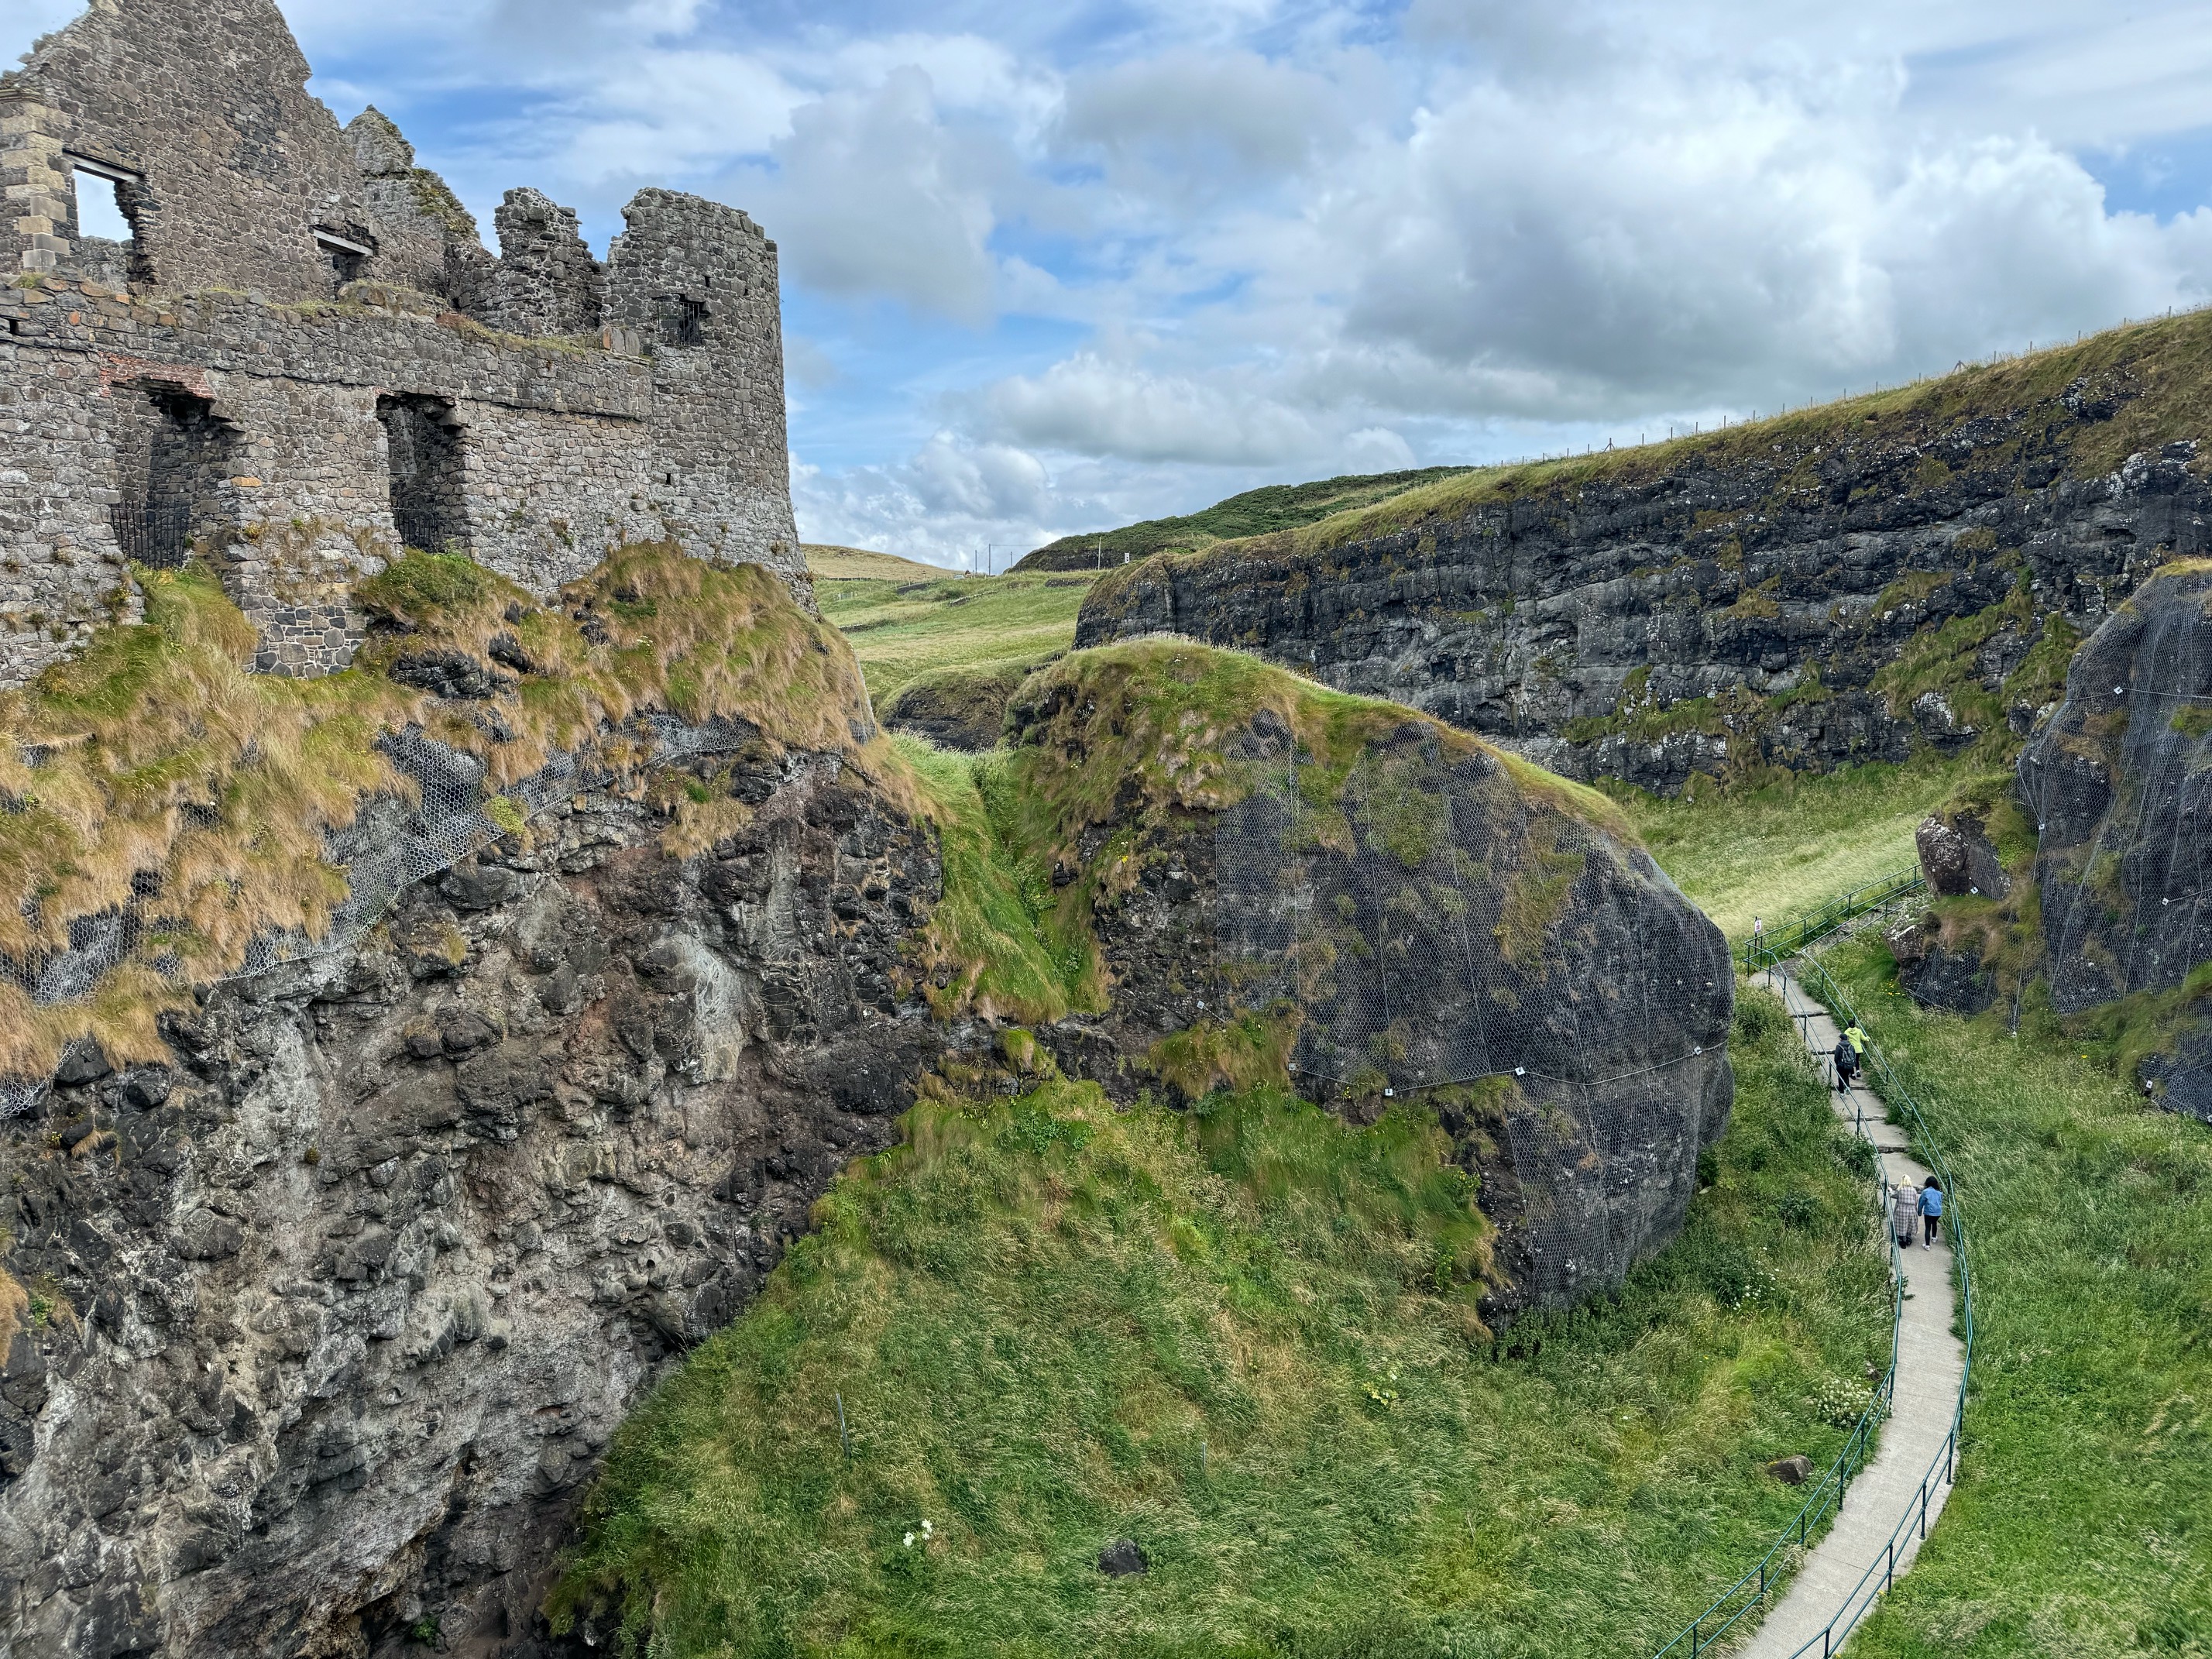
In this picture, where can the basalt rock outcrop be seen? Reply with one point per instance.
(1847, 584)
(1412, 916)
(963, 708)
(336, 1312)
(316, 1325)
(2120, 787)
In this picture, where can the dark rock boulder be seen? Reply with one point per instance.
(961, 708)
(1123, 1557)
(2120, 785)
(1954, 979)
(1959, 860)
(1450, 925)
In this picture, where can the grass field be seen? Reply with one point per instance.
(825, 562)
(1783, 849)
(902, 628)
(2082, 1523)
(1235, 1335)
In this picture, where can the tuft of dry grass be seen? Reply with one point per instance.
(14, 1308)
(154, 766)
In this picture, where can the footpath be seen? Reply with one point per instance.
(1931, 1361)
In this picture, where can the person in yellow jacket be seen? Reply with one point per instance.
(1858, 1039)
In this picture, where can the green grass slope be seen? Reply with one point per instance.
(1796, 842)
(1254, 513)
(1227, 1335)
(2082, 1522)
(902, 629)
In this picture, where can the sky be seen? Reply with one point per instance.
(1052, 267)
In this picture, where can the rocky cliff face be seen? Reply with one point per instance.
(312, 1330)
(1801, 593)
(334, 1314)
(2120, 787)
(1412, 916)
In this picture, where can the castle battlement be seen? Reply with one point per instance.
(304, 358)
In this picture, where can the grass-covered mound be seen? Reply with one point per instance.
(2082, 1521)
(1108, 749)
(153, 769)
(1226, 1334)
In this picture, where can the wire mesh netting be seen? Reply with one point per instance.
(392, 843)
(1435, 930)
(2119, 786)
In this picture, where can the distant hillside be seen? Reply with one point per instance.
(1255, 513)
(850, 564)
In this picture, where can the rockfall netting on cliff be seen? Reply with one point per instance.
(2120, 787)
(1441, 925)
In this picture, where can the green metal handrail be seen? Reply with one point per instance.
(1763, 949)
(1751, 1590)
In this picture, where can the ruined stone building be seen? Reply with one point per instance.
(303, 359)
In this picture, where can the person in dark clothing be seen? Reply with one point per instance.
(1847, 1066)
(1931, 1212)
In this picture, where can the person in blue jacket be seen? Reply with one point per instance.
(1931, 1212)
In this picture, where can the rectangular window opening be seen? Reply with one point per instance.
(172, 451)
(99, 209)
(429, 507)
(687, 322)
(347, 257)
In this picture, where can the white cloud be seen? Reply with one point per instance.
(1089, 406)
(1201, 122)
(875, 197)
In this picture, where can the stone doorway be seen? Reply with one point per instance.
(428, 507)
(172, 453)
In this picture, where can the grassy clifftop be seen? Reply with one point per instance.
(2110, 396)
(1256, 512)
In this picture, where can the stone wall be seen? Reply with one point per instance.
(578, 420)
(546, 282)
(696, 281)
(205, 102)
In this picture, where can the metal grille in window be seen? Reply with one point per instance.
(421, 525)
(687, 323)
(154, 532)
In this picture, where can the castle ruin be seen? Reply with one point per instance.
(303, 359)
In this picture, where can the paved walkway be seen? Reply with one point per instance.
(1931, 1361)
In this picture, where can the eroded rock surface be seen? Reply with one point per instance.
(1739, 611)
(2121, 788)
(331, 1318)
(342, 1307)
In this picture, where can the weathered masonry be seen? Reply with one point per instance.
(303, 359)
